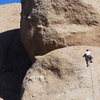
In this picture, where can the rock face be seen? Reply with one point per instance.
(46, 24)
(62, 75)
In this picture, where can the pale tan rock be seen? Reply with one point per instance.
(62, 75)
(47, 25)
(10, 17)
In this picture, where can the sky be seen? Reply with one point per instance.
(8, 1)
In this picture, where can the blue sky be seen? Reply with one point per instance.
(8, 1)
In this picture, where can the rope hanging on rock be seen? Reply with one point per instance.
(92, 83)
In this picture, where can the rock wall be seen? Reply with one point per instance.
(45, 24)
(62, 75)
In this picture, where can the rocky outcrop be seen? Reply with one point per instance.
(62, 75)
(46, 24)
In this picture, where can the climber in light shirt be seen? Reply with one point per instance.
(88, 53)
(88, 57)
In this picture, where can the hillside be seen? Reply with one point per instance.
(9, 17)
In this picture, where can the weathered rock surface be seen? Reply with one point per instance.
(46, 24)
(62, 75)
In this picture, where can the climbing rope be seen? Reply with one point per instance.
(92, 83)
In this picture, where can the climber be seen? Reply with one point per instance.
(88, 57)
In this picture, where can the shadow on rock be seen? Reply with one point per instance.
(14, 63)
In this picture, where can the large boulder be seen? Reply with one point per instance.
(46, 24)
(62, 75)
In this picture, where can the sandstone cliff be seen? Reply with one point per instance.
(50, 24)
(62, 75)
